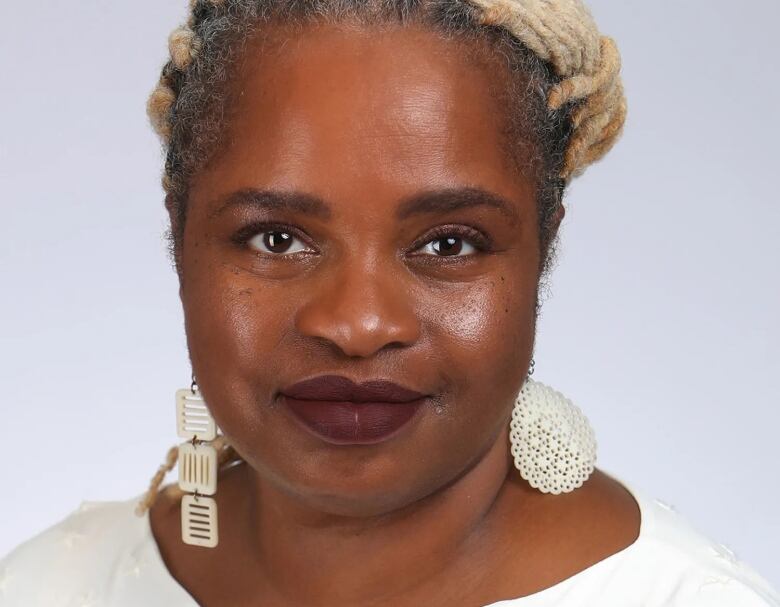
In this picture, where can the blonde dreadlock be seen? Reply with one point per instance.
(561, 32)
(580, 118)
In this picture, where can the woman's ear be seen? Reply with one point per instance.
(174, 236)
(558, 215)
(173, 213)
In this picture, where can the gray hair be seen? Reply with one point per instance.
(565, 102)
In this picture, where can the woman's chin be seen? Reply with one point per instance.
(357, 502)
(365, 493)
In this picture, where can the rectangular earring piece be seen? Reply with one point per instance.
(199, 521)
(193, 419)
(198, 469)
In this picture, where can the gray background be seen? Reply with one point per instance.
(662, 323)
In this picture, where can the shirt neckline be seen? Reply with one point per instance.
(646, 524)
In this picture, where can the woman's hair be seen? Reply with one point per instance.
(563, 99)
(564, 93)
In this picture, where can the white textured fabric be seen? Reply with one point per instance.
(104, 555)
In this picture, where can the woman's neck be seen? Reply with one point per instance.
(484, 538)
(304, 556)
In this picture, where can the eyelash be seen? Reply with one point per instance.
(475, 237)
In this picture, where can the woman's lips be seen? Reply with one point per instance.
(340, 411)
(350, 423)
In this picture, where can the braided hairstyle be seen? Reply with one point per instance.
(564, 99)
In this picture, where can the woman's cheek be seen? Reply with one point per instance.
(487, 322)
(480, 350)
(230, 339)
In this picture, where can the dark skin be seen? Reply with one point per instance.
(368, 123)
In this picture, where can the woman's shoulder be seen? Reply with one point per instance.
(680, 565)
(80, 559)
(670, 563)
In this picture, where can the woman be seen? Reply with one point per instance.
(364, 200)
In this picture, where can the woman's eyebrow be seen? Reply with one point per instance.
(272, 200)
(454, 199)
(443, 200)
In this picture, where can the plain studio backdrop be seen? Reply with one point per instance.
(662, 324)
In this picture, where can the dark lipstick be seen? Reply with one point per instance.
(342, 412)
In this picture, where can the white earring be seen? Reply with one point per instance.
(197, 469)
(553, 443)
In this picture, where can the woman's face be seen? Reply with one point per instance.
(407, 249)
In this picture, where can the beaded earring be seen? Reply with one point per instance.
(197, 465)
(553, 443)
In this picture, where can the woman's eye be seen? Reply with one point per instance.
(449, 245)
(282, 242)
(274, 242)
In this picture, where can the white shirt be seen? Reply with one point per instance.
(102, 554)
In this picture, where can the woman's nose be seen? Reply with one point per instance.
(361, 309)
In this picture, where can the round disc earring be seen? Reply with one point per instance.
(552, 442)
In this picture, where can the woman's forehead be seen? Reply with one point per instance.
(399, 107)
